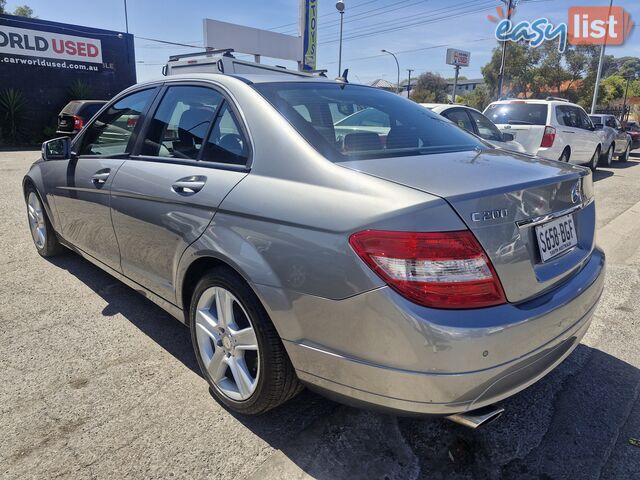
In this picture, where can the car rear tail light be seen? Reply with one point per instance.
(548, 137)
(77, 122)
(438, 270)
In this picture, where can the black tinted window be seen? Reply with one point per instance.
(89, 110)
(460, 118)
(486, 129)
(226, 144)
(517, 113)
(569, 116)
(181, 122)
(346, 122)
(111, 132)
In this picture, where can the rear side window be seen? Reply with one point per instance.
(226, 143)
(89, 110)
(110, 134)
(517, 113)
(568, 116)
(181, 122)
(611, 122)
(460, 118)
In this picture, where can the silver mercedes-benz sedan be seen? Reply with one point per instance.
(401, 264)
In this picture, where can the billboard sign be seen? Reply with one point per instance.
(309, 33)
(42, 44)
(459, 58)
(251, 40)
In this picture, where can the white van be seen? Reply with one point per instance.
(553, 128)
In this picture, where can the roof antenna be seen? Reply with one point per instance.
(343, 78)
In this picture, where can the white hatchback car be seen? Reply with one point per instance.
(553, 128)
(475, 122)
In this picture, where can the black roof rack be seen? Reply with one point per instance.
(227, 52)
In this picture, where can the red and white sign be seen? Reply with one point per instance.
(36, 43)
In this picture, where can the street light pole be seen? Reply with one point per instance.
(397, 65)
(504, 54)
(409, 83)
(594, 102)
(340, 8)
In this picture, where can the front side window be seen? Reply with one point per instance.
(585, 121)
(110, 134)
(486, 129)
(181, 122)
(349, 122)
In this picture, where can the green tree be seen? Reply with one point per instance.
(23, 11)
(429, 88)
(520, 69)
(478, 98)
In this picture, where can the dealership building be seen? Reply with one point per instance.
(50, 63)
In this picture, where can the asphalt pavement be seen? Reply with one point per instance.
(97, 382)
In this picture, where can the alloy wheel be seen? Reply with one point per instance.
(36, 220)
(227, 343)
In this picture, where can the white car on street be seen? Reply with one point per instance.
(553, 128)
(475, 122)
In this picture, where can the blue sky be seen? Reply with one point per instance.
(411, 25)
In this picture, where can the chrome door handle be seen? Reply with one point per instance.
(189, 185)
(100, 177)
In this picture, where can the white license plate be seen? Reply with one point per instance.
(556, 236)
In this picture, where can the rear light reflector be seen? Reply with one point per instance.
(548, 137)
(438, 270)
(77, 122)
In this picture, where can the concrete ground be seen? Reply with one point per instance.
(97, 382)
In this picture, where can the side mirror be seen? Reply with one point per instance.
(508, 137)
(57, 149)
(598, 126)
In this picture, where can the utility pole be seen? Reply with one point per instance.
(455, 84)
(504, 54)
(594, 102)
(624, 102)
(126, 17)
(409, 83)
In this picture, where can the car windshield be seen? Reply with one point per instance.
(517, 113)
(349, 122)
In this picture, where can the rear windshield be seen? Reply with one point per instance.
(89, 110)
(517, 113)
(352, 122)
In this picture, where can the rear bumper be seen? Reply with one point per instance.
(381, 351)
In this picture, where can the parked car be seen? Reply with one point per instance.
(551, 128)
(475, 122)
(75, 114)
(614, 140)
(633, 130)
(425, 274)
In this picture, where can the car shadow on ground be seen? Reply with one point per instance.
(564, 426)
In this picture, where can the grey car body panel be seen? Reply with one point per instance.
(284, 222)
(521, 186)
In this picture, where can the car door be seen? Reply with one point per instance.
(569, 122)
(82, 188)
(192, 153)
(621, 135)
(590, 139)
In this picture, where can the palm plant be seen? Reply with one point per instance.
(12, 110)
(80, 90)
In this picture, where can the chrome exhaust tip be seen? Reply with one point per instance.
(477, 418)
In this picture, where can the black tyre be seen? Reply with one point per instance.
(238, 349)
(605, 160)
(625, 156)
(42, 232)
(593, 164)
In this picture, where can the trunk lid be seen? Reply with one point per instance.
(501, 197)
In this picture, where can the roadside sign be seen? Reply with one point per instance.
(459, 58)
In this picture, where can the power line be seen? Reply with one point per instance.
(324, 15)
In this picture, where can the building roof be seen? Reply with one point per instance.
(382, 83)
